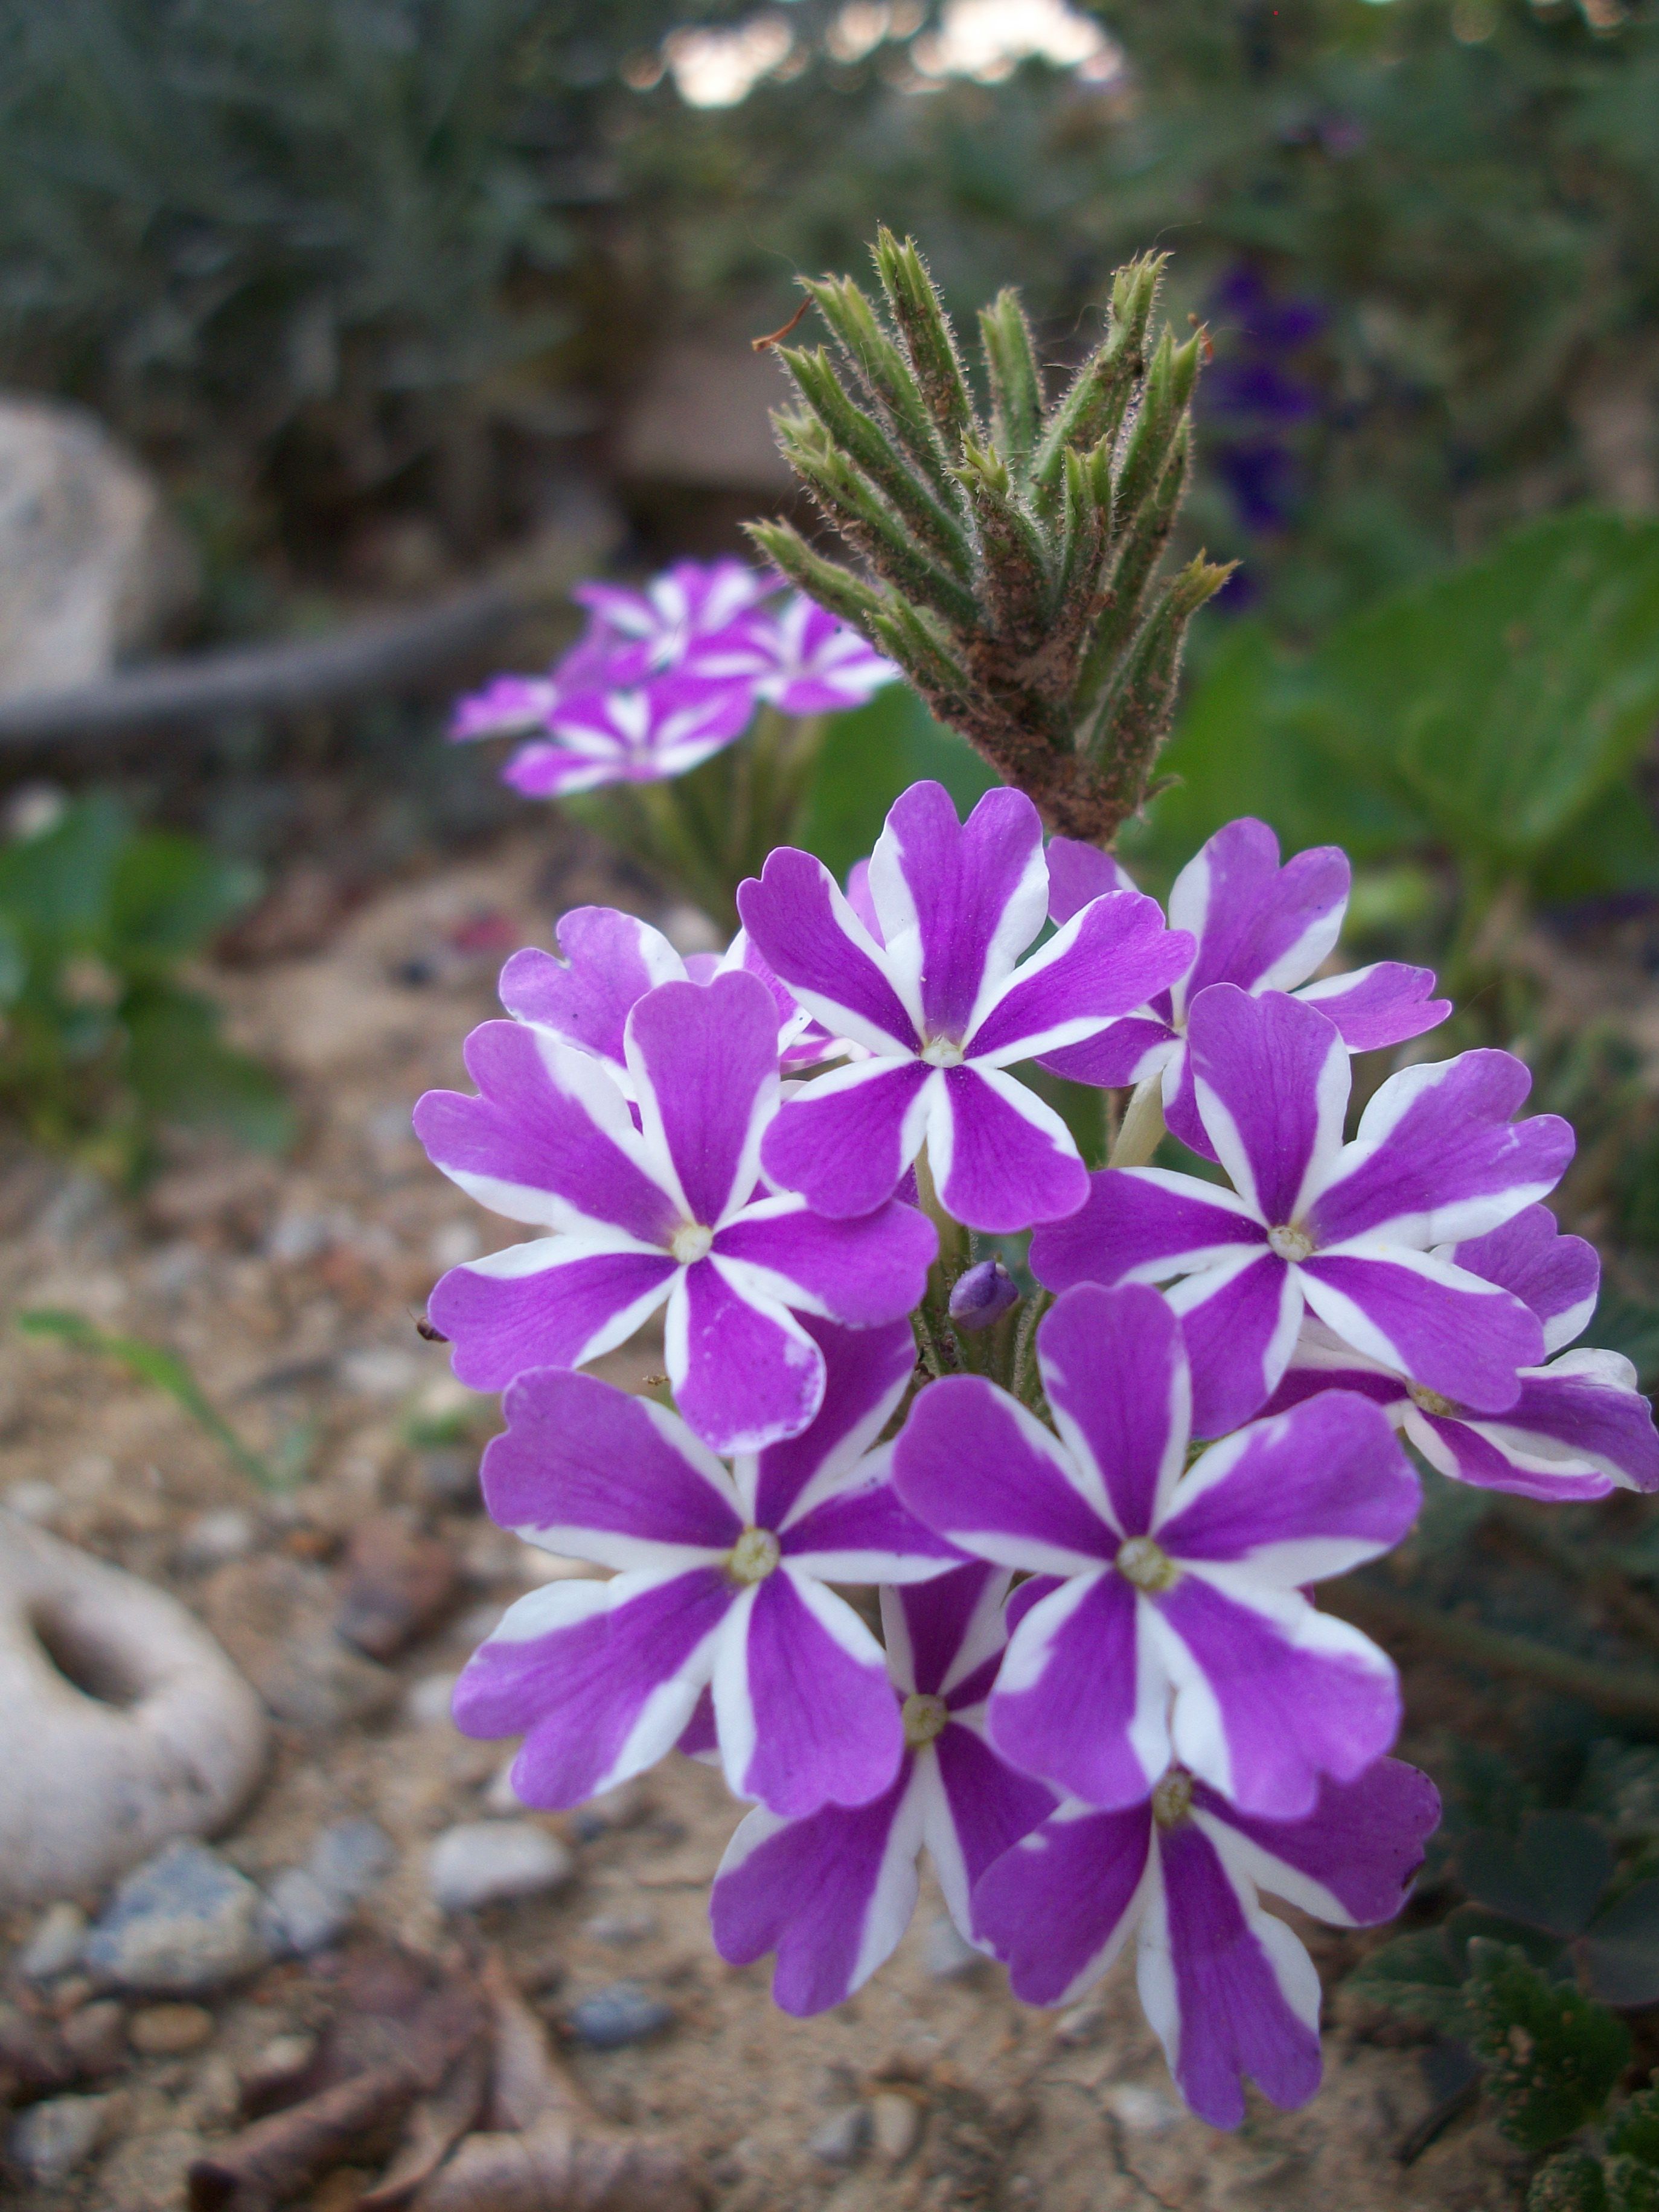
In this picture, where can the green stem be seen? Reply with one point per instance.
(1141, 1130)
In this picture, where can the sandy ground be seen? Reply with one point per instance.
(292, 1290)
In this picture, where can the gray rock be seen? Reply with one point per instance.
(620, 1928)
(307, 1907)
(843, 2138)
(50, 2140)
(183, 1921)
(622, 2013)
(945, 1951)
(483, 1861)
(349, 1856)
(55, 1946)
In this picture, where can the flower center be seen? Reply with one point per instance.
(754, 1556)
(1431, 1401)
(923, 1718)
(690, 1241)
(942, 1052)
(1291, 1242)
(1146, 1564)
(1172, 1800)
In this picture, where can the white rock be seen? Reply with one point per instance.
(895, 2122)
(483, 1861)
(122, 1723)
(428, 1701)
(843, 2138)
(90, 563)
(50, 2140)
(210, 1539)
(55, 1946)
(184, 1921)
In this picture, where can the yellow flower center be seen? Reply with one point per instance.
(1291, 1242)
(1172, 1800)
(1431, 1401)
(923, 1718)
(1146, 1564)
(690, 1241)
(754, 1556)
(942, 1052)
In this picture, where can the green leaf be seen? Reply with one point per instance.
(1471, 1924)
(154, 1363)
(1633, 2130)
(867, 758)
(169, 895)
(1619, 1953)
(1550, 1875)
(1414, 1976)
(1632, 2186)
(1553, 2056)
(181, 1071)
(1572, 2182)
(1613, 848)
(55, 886)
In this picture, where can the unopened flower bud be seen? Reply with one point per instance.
(982, 1296)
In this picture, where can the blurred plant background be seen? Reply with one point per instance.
(375, 287)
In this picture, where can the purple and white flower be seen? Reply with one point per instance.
(1263, 927)
(721, 1579)
(508, 705)
(670, 1211)
(668, 623)
(833, 1892)
(943, 1010)
(644, 732)
(799, 659)
(1580, 1427)
(1227, 1987)
(1178, 1627)
(1347, 1232)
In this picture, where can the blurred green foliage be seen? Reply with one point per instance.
(102, 1045)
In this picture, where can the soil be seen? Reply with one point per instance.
(292, 1288)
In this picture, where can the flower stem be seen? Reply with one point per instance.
(1141, 1130)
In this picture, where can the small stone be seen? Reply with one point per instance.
(276, 1618)
(483, 1861)
(50, 2140)
(95, 2036)
(183, 1921)
(145, 2173)
(1081, 2023)
(501, 1797)
(210, 1539)
(349, 1856)
(620, 1928)
(449, 1476)
(398, 1582)
(843, 2138)
(55, 1946)
(946, 1953)
(429, 1701)
(301, 1917)
(34, 1501)
(166, 2031)
(380, 1370)
(623, 2013)
(895, 2122)
(624, 1807)
(1142, 2108)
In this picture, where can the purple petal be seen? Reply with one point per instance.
(831, 1895)
(863, 1534)
(1559, 1277)
(1080, 1700)
(843, 1140)
(1144, 1224)
(1382, 1004)
(1114, 1368)
(1272, 1077)
(814, 943)
(1465, 1452)
(1446, 1329)
(745, 1373)
(1078, 873)
(506, 703)
(859, 898)
(600, 1678)
(865, 1371)
(610, 960)
(549, 1140)
(1240, 1321)
(1350, 1860)
(1312, 1493)
(1002, 1158)
(595, 1473)
(806, 1712)
(1105, 962)
(958, 902)
(699, 1739)
(1229, 1989)
(1258, 926)
(1059, 1907)
(1124, 1052)
(552, 1302)
(979, 1808)
(1579, 1428)
(1437, 1160)
(939, 1633)
(864, 1271)
(1271, 1694)
(974, 1465)
(704, 1060)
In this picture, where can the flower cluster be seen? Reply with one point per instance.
(666, 676)
(1103, 1699)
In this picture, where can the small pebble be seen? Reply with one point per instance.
(183, 1921)
(95, 2036)
(620, 1927)
(349, 1856)
(428, 1700)
(35, 1501)
(624, 1807)
(895, 2122)
(1081, 2023)
(55, 1946)
(623, 2012)
(1142, 2108)
(843, 2138)
(481, 1861)
(946, 1953)
(300, 1916)
(50, 2140)
(166, 2031)
(210, 1539)
(501, 1796)
(380, 1370)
